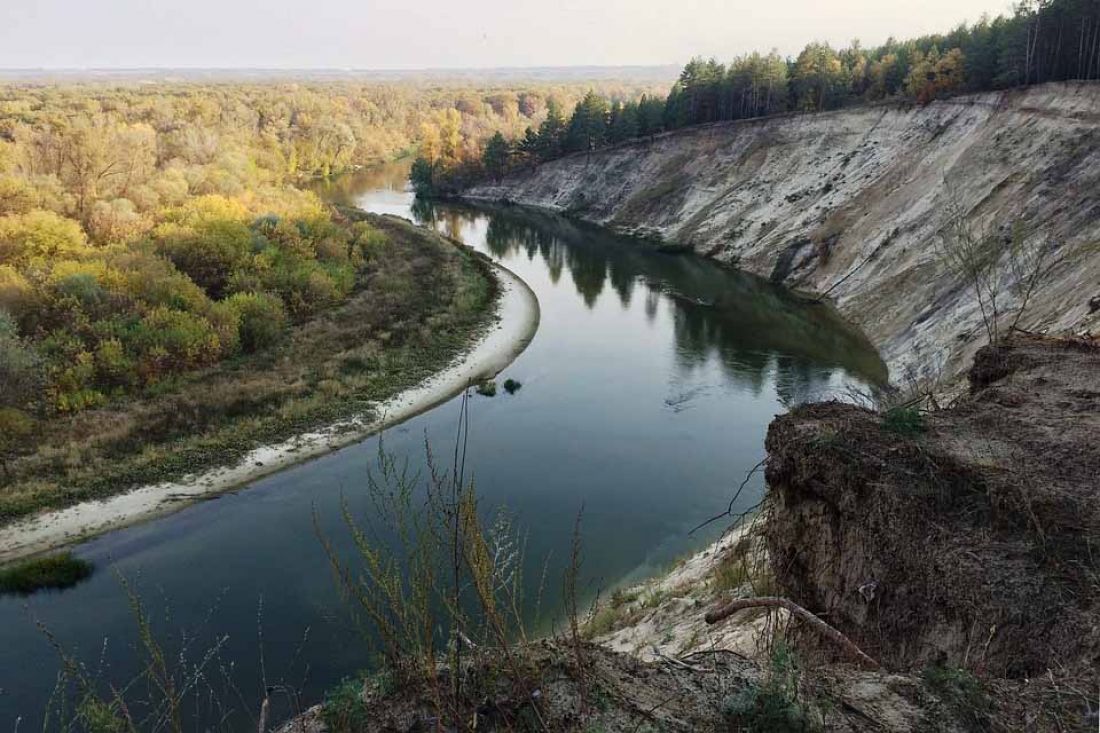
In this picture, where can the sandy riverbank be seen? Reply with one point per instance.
(517, 321)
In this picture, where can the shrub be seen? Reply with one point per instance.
(171, 341)
(53, 572)
(16, 294)
(963, 692)
(113, 365)
(15, 427)
(344, 710)
(155, 281)
(907, 421)
(487, 388)
(511, 386)
(20, 366)
(39, 236)
(262, 319)
(209, 253)
(774, 705)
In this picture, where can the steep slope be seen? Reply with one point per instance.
(851, 203)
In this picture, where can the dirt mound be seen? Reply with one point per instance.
(967, 537)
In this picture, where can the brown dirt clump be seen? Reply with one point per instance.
(968, 537)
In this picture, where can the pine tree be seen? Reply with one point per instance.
(496, 155)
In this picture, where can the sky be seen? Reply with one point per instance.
(418, 34)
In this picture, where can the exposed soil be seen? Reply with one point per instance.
(968, 539)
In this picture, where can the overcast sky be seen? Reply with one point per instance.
(412, 34)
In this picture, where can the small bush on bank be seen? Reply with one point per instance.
(344, 710)
(511, 386)
(487, 389)
(54, 572)
(774, 704)
(906, 421)
(962, 692)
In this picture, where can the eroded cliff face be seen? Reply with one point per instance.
(967, 539)
(851, 203)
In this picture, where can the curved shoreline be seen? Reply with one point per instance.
(517, 320)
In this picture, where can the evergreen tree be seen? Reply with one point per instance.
(495, 157)
(624, 122)
(551, 132)
(588, 127)
(529, 146)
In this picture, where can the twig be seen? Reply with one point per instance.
(799, 612)
(729, 510)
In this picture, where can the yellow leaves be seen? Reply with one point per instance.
(39, 236)
(205, 209)
(431, 142)
(932, 75)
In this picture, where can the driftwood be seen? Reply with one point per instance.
(798, 612)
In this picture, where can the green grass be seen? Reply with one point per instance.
(54, 572)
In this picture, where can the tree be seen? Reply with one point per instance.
(496, 155)
(651, 116)
(529, 146)
(818, 79)
(623, 122)
(588, 126)
(552, 131)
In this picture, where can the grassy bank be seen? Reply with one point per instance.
(413, 310)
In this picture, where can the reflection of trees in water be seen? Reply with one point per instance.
(754, 330)
(345, 189)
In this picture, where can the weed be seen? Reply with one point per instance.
(962, 692)
(344, 710)
(773, 706)
(905, 421)
(55, 572)
(731, 572)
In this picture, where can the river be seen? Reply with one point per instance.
(646, 395)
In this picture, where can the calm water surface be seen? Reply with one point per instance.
(646, 395)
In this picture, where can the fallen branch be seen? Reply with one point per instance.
(799, 612)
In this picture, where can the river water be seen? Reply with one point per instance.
(646, 395)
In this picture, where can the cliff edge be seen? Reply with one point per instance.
(850, 203)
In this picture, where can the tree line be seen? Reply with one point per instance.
(1040, 41)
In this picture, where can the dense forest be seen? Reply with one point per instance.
(152, 233)
(149, 230)
(1041, 41)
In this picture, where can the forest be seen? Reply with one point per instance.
(150, 234)
(1041, 41)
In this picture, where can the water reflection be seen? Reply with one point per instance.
(757, 330)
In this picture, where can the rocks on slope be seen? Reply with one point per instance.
(851, 202)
